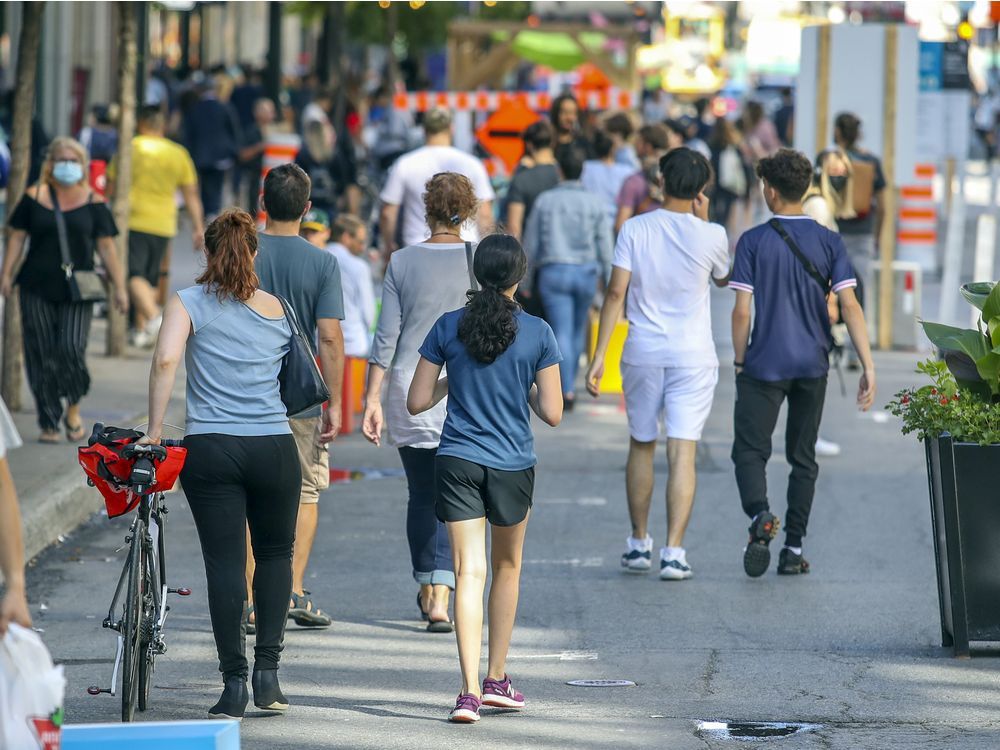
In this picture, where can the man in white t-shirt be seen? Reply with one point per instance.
(347, 241)
(664, 263)
(408, 177)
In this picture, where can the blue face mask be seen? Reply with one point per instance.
(67, 172)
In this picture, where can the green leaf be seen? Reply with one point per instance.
(965, 340)
(977, 292)
(989, 370)
(991, 308)
(993, 329)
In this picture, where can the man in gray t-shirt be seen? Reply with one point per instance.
(309, 279)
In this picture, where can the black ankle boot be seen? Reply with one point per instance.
(266, 690)
(234, 699)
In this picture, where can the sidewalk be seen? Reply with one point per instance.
(854, 647)
(51, 486)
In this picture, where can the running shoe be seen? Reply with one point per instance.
(827, 448)
(791, 564)
(756, 555)
(501, 694)
(674, 568)
(639, 556)
(466, 710)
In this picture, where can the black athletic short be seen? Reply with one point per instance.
(466, 490)
(145, 254)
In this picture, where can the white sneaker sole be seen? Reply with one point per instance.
(636, 571)
(672, 574)
(463, 717)
(501, 701)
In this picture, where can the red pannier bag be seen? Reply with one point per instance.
(109, 472)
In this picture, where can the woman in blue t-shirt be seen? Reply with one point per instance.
(501, 362)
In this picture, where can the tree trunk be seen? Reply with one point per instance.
(127, 56)
(20, 165)
(272, 78)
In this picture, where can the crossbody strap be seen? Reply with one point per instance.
(473, 284)
(811, 269)
(67, 262)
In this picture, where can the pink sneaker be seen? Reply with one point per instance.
(466, 709)
(501, 694)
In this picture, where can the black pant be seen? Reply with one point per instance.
(55, 345)
(230, 481)
(211, 182)
(757, 405)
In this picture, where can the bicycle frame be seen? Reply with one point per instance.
(148, 521)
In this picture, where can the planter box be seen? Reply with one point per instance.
(965, 513)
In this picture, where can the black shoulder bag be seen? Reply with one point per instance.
(824, 284)
(473, 284)
(84, 286)
(300, 380)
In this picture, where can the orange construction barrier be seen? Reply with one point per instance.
(353, 393)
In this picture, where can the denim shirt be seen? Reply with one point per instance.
(569, 224)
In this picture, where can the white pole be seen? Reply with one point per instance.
(954, 242)
(986, 229)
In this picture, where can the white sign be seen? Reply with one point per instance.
(857, 85)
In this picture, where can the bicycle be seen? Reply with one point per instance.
(142, 585)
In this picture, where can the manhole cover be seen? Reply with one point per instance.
(753, 730)
(601, 683)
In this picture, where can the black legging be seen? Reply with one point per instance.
(230, 481)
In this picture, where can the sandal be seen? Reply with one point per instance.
(49, 438)
(440, 626)
(304, 613)
(74, 434)
(423, 615)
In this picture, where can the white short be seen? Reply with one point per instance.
(679, 396)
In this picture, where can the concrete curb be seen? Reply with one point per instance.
(47, 516)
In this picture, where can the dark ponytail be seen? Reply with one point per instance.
(488, 327)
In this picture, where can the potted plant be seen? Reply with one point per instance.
(957, 416)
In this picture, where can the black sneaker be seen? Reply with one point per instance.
(790, 564)
(757, 556)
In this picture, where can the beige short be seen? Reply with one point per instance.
(313, 456)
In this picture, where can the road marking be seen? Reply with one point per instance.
(601, 683)
(561, 656)
(589, 562)
(575, 501)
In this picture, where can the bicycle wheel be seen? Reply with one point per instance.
(152, 587)
(131, 624)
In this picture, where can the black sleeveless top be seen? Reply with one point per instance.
(42, 272)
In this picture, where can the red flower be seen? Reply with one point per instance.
(955, 397)
(933, 391)
(944, 401)
(904, 400)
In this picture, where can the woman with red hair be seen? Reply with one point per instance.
(242, 464)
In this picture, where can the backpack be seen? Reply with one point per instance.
(863, 185)
(732, 175)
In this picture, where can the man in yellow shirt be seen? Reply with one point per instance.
(159, 168)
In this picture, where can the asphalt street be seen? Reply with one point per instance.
(852, 649)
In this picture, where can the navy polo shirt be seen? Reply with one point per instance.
(791, 329)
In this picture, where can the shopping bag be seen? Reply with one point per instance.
(31, 693)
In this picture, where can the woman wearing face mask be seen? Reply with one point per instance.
(56, 328)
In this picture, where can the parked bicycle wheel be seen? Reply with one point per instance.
(152, 588)
(131, 625)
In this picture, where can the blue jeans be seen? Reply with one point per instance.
(567, 290)
(430, 550)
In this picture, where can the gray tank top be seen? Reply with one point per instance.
(233, 357)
